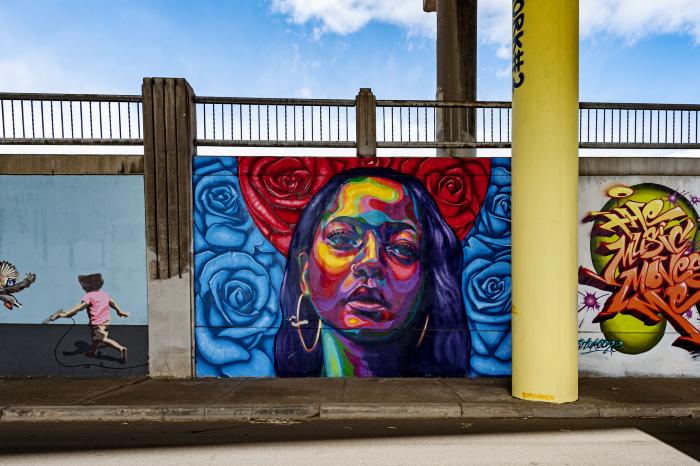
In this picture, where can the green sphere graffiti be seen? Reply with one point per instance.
(647, 200)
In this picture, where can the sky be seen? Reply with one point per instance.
(630, 50)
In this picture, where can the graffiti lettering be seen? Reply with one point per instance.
(590, 345)
(518, 32)
(653, 268)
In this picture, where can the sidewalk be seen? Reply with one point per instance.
(276, 400)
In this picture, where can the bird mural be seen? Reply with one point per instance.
(9, 284)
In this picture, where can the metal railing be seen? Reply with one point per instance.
(430, 124)
(70, 119)
(639, 126)
(224, 121)
(49, 119)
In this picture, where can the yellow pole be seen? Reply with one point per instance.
(545, 193)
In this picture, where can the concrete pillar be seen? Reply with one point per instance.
(456, 71)
(545, 191)
(366, 123)
(169, 126)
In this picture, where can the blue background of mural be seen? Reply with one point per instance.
(486, 278)
(59, 227)
(238, 275)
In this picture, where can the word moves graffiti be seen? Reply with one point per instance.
(644, 247)
(352, 267)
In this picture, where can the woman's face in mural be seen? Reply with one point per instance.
(364, 271)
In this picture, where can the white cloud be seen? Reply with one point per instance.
(630, 20)
(348, 16)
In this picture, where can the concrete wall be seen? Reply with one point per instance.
(56, 228)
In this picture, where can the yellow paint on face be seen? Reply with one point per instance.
(354, 192)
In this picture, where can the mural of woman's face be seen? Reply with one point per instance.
(363, 272)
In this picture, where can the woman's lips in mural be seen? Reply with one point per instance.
(367, 303)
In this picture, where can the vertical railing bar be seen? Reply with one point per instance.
(82, 120)
(673, 127)
(119, 119)
(596, 125)
(347, 125)
(311, 120)
(43, 124)
(90, 116)
(627, 112)
(128, 118)
(491, 112)
(267, 121)
(12, 108)
(634, 138)
(31, 111)
(213, 121)
(337, 116)
(508, 120)
(240, 121)
(580, 125)
(409, 124)
(63, 133)
(425, 121)
(109, 116)
(72, 125)
(99, 110)
(21, 108)
(392, 124)
(303, 123)
(138, 119)
(53, 135)
(2, 116)
(384, 124)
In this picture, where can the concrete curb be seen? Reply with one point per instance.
(333, 411)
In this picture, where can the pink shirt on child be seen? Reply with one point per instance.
(98, 307)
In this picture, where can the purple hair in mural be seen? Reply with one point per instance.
(372, 284)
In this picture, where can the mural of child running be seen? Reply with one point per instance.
(97, 304)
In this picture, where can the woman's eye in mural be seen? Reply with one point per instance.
(404, 251)
(342, 236)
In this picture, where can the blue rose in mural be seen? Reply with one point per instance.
(237, 315)
(220, 218)
(486, 278)
(487, 288)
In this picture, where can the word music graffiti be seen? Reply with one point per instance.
(651, 265)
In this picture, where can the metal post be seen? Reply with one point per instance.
(169, 124)
(456, 71)
(366, 123)
(545, 219)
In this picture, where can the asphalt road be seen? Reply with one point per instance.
(456, 441)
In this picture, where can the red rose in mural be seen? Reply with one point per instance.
(276, 190)
(458, 186)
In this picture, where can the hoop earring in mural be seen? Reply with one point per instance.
(422, 333)
(299, 325)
